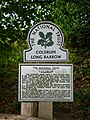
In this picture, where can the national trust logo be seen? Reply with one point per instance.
(45, 34)
(45, 41)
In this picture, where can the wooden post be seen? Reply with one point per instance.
(29, 109)
(45, 110)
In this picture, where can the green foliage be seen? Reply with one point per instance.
(8, 87)
(16, 105)
(82, 98)
(74, 19)
(46, 40)
(70, 15)
(10, 58)
(17, 17)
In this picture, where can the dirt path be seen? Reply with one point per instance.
(16, 117)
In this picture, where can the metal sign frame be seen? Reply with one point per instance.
(24, 67)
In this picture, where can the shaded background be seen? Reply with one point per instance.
(16, 19)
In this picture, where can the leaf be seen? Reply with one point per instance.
(48, 35)
(50, 43)
(42, 44)
(40, 41)
(41, 34)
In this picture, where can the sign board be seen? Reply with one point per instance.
(46, 82)
(45, 41)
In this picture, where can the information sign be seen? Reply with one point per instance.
(45, 41)
(46, 82)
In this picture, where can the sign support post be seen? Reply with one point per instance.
(29, 109)
(45, 110)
